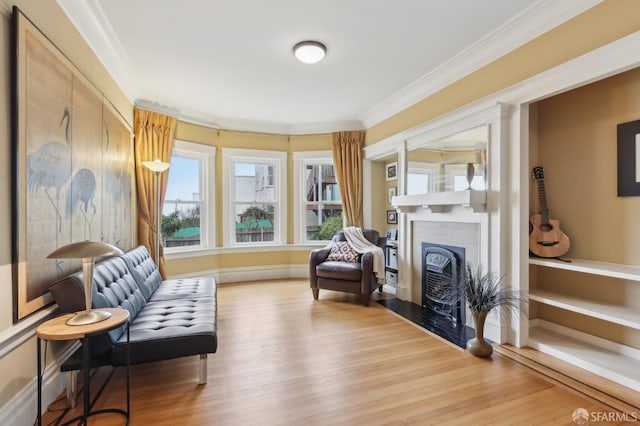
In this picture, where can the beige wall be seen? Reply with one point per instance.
(18, 367)
(574, 139)
(606, 22)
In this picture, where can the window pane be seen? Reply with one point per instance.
(254, 222)
(254, 182)
(323, 208)
(184, 179)
(180, 224)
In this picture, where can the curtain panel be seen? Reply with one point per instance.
(347, 160)
(153, 139)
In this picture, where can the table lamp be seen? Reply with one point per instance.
(87, 251)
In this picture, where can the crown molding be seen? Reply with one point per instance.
(538, 19)
(94, 28)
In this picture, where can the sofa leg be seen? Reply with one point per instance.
(202, 370)
(72, 388)
(365, 299)
(315, 291)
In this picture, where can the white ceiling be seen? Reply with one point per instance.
(228, 63)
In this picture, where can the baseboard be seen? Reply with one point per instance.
(252, 273)
(22, 409)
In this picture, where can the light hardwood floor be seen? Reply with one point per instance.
(285, 359)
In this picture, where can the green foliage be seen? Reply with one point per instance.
(484, 291)
(180, 220)
(330, 227)
(171, 223)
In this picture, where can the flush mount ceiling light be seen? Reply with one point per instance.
(309, 52)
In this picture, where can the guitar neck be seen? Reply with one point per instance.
(544, 210)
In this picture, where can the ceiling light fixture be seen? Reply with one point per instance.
(309, 52)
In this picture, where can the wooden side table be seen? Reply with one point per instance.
(57, 329)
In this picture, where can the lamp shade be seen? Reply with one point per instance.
(84, 249)
(156, 166)
(87, 251)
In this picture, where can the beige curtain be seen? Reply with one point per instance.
(347, 160)
(153, 139)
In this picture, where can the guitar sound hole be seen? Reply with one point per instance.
(546, 227)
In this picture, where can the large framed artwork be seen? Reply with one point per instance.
(72, 166)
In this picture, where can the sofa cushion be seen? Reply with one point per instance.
(339, 270)
(170, 329)
(185, 288)
(143, 269)
(341, 251)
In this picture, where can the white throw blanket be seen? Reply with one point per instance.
(359, 243)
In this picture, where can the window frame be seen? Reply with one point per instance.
(230, 156)
(206, 154)
(300, 162)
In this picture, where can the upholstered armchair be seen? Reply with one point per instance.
(348, 274)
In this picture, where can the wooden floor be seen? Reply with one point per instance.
(285, 359)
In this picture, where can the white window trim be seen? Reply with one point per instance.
(231, 155)
(207, 154)
(300, 160)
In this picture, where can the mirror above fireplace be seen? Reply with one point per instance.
(455, 163)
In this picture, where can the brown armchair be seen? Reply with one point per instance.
(350, 277)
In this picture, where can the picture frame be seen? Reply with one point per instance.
(72, 166)
(393, 191)
(628, 158)
(392, 217)
(392, 171)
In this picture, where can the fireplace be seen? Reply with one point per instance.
(442, 268)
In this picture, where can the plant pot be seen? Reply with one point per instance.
(478, 346)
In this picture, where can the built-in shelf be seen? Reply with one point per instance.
(625, 272)
(605, 362)
(628, 317)
(441, 201)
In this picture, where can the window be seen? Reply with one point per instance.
(187, 213)
(318, 199)
(255, 197)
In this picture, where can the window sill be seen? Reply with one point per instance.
(241, 249)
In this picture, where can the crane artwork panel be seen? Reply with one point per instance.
(72, 168)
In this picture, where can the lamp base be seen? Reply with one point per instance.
(88, 317)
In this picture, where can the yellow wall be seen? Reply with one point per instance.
(246, 140)
(18, 367)
(604, 23)
(575, 141)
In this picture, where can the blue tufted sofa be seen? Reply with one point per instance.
(169, 319)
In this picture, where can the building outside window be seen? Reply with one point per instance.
(255, 197)
(319, 202)
(187, 214)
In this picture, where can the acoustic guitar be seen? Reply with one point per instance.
(546, 239)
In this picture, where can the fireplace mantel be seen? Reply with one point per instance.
(439, 202)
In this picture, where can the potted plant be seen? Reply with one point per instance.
(483, 291)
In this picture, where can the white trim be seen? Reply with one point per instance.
(19, 333)
(300, 159)
(21, 410)
(244, 249)
(93, 26)
(252, 273)
(229, 155)
(206, 154)
(538, 19)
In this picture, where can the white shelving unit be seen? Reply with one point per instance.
(609, 359)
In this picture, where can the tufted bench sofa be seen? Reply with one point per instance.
(168, 319)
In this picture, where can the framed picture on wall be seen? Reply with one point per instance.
(629, 159)
(392, 217)
(72, 167)
(392, 170)
(392, 193)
